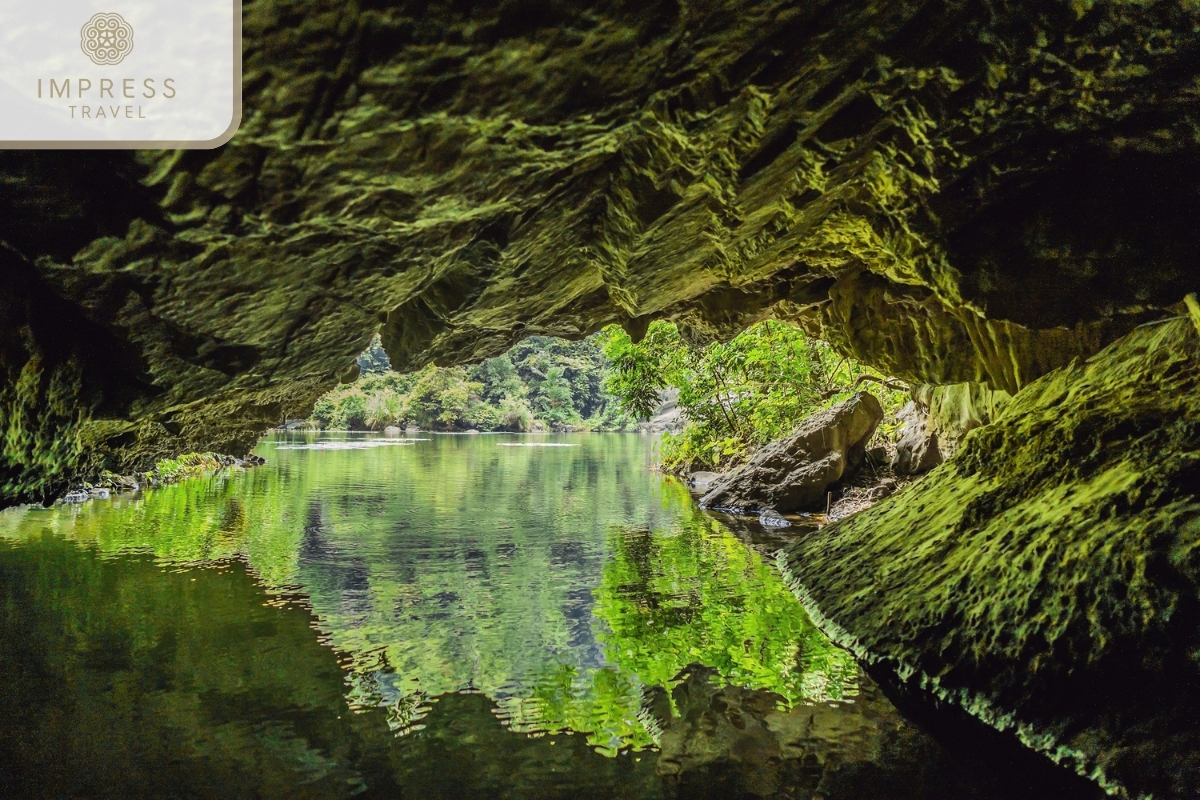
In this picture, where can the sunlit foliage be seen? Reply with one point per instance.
(737, 395)
(541, 383)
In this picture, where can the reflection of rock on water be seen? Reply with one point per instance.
(733, 743)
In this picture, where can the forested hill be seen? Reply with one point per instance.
(542, 383)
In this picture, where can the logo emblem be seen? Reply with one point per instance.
(106, 39)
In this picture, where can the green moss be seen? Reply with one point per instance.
(1047, 577)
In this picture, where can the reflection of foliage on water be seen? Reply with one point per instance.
(459, 565)
(603, 703)
(699, 595)
(690, 594)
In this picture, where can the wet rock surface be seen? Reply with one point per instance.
(794, 474)
(954, 192)
(1047, 578)
(700, 481)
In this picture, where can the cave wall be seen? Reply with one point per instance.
(1047, 578)
(951, 191)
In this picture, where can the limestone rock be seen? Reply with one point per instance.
(1047, 578)
(917, 448)
(794, 473)
(966, 192)
(392, 430)
(668, 416)
(953, 410)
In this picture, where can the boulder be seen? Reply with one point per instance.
(392, 430)
(793, 474)
(878, 456)
(1046, 579)
(917, 448)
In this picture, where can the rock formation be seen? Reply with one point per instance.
(794, 473)
(1047, 578)
(949, 191)
(917, 449)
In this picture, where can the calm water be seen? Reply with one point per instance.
(454, 616)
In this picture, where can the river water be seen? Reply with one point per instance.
(437, 616)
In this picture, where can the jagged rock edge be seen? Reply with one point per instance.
(973, 703)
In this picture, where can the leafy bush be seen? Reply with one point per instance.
(385, 408)
(350, 412)
(735, 396)
(516, 415)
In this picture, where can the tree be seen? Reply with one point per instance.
(556, 381)
(735, 396)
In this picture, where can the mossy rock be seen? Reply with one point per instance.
(1047, 578)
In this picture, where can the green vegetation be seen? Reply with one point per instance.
(735, 396)
(1075, 513)
(541, 383)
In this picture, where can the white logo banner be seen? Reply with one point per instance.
(119, 73)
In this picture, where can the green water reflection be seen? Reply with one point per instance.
(556, 581)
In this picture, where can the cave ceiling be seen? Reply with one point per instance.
(949, 191)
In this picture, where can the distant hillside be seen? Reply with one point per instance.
(542, 383)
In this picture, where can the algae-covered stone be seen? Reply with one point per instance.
(1047, 578)
(917, 448)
